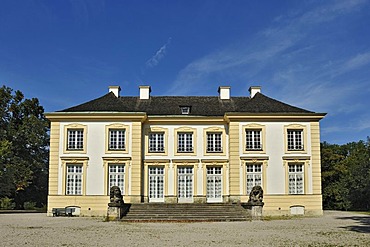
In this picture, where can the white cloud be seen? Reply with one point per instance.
(158, 56)
(288, 56)
(300, 66)
(357, 62)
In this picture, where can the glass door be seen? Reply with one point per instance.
(156, 184)
(185, 184)
(214, 184)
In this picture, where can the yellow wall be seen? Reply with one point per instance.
(234, 161)
(316, 159)
(90, 205)
(54, 158)
(136, 166)
(312, 204)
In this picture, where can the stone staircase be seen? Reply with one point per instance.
(185, 212)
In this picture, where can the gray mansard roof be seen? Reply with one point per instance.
(200, 105)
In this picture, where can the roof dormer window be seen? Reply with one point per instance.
(185, 110)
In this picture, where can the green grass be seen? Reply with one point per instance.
(363, 212)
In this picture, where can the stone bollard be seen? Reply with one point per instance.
(254, 210)
(114, 213)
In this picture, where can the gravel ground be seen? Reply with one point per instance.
(332, 229)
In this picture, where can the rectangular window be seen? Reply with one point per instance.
(214, 142)
(295, 139)
(75, 139)
(254, 176)
(156, 142)
(156, 184)
(296, 183)
(117, 139)
(253, 140)
(74, 180)
(185, 110)
(185, 142)
(117, 176)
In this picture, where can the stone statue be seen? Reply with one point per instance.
(116, 198)
(256, 195)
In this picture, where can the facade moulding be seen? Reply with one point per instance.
(184, 120)
(296, 157)
(116, 157)
(96, 116)
(254, 157)
(234, 116)
(214, 160)
(157, 160)
(185, 160)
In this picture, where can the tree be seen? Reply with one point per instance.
(346, 175)
(333, 170)
(23, 148)
(358, 179)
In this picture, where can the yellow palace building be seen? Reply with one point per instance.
(185, 149)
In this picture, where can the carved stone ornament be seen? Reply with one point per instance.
(116, 198)
(256, 195)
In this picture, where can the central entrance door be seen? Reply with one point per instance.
(156, 184)
(214, 184)
(185, 184)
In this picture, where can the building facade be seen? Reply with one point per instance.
(185, 149)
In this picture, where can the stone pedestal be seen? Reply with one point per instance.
(254, 209)
(114, 213)
(256, 212)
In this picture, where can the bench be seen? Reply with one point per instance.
(68, 211)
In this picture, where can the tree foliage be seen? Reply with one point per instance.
(23, 148)
(346, 175)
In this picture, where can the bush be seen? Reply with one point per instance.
(6, 203)
(29, 205)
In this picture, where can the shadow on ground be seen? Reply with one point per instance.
(362, 223)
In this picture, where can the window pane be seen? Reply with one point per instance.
(74, 180)
(214, 142)
(116, 140)
(296, 175)
(253, 140)
(295, 139)
(117, 177)
(75, 139)
(254, 176)
(185, 142)
(156, 142)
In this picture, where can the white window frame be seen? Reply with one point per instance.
(295, 140)
(185, 110)
(116, 176)
(156, 183)
(214, 142)
(185, 183)
(185, 142)
(156, 144)
(255, 174)
(75, 139)
(253, 140)
(74, 179)
(214, 183)
(296, 178)
(117, 142)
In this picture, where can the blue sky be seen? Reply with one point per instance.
(311, 54)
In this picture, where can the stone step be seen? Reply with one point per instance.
(146, 212)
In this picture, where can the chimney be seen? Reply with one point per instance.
(145, 92)
(115, 90)
(224, 92)
(254, 89)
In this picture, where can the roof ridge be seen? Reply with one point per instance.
(200, 105)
